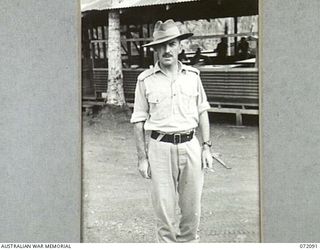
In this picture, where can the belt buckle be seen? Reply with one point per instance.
(176, 138)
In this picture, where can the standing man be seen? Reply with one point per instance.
(170, 102)
(222, 49)
(243, 49)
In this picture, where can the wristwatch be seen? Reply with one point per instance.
(208, 143)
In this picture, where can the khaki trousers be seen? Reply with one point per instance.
(177, 181)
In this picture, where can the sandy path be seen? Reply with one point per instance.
(116, 200)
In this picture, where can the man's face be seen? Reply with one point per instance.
(168, 52)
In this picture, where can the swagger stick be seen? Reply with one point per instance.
(216, 157)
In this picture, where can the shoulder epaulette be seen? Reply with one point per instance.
(143, 75)
(192, 69)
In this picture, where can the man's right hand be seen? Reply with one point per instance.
(144, 168)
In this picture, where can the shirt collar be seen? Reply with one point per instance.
(181, 67)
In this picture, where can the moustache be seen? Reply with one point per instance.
(166, 55)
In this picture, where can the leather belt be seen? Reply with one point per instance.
(173, 138)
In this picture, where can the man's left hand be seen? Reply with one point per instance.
(207, 161)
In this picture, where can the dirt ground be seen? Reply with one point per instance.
(116, 199)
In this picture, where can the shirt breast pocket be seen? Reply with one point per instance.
(189, 99)
(159, 105)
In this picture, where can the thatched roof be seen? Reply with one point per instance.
(87, 5)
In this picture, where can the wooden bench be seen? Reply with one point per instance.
(100, 79)
(88, 106)
(233, 91)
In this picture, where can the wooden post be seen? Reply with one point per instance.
(104, 47)
(227, 30)
(94, 45)
(92, 48)
(155, 57)
(238, 118)
(148, 35)
(257, 49)
(128, 35)
(257, 54)
(141, 52)
(235, 21)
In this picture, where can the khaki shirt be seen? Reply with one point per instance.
(169, 106)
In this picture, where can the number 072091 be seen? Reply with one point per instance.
(308, 246)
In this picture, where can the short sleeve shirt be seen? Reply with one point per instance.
(166, 105)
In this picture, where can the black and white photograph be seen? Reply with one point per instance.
(170, 116)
